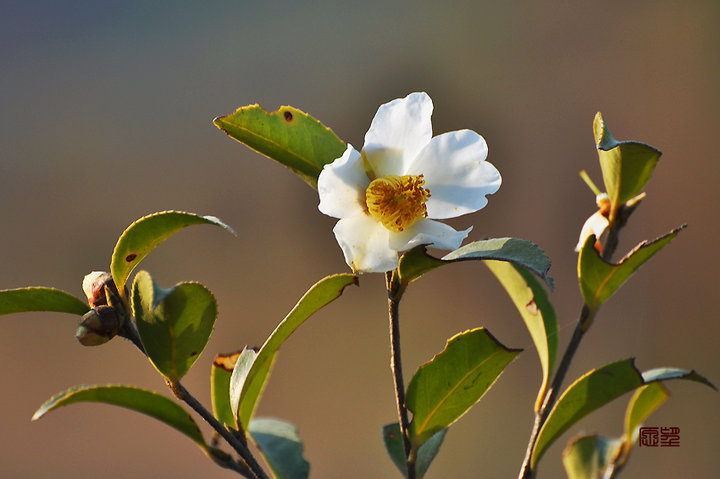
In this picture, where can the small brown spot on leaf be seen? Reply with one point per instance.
(288, 116)
(532, 307)
(129, 258)
(194, 353)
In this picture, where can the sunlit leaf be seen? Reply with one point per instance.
(281, 447)
(643, 402)
(588, 457)
(417, 261)
(136, 399)
(174, 324)
(220, 374)
(289, 136)
(599, 279)
(445, 388)
(425, 455)
(38, 298)
(537, 312)
(141, 237)
(597, 388)
(626, 165)
(248, 391)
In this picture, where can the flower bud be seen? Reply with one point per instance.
(98, 326)
(94, 287)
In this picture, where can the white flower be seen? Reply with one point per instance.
(388, 194)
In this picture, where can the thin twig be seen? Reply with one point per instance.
(394, 294)
(130, 332)
(584, 322)
(185, 396)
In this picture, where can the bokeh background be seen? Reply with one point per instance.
(106, 115)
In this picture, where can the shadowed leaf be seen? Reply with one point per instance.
(426, 453)
(281, 446)
(417, 262)
(174, 324)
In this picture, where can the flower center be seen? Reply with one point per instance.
(397, 201)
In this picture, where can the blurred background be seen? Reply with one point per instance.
(106, 113)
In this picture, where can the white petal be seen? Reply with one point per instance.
(428, 232)
(342, 185)
(595, 225)
(400, 129)
(365, 244)
(456, 173)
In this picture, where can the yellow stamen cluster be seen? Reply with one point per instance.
(397, 201)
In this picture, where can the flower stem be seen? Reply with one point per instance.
(395, 291)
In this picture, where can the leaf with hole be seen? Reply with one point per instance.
(23, 300)
(174, 324)
(289, 136)
(599, 279)
(281, 447)
(141, 237)
(249, 377)
(444, 389)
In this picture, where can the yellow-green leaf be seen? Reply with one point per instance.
(141, 237)
(599, 279)
(289, 136)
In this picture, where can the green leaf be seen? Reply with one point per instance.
(281, 447)
(417, 262)
(174, 324)
(220, 374)
(537, 312)
(626, 165)
(599, 279)
(597, 388)
(588, 457)
(141, 237)
(426, 453)
(38, 298)
(590, 392)
(644, 402)
(139, 400)
(289, 136)
(248, 391)
(445, 388)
